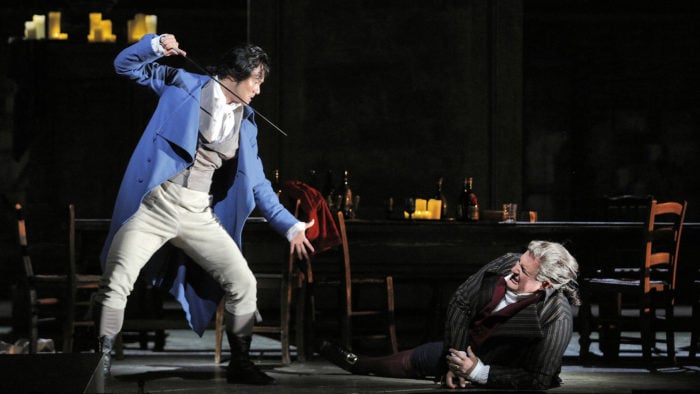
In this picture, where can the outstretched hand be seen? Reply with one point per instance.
(300, 245)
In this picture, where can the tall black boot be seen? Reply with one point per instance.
(106, 343)
(240, 368)
(108, 322)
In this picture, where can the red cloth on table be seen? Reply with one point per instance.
(324, 232)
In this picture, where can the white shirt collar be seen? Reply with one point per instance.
(216, 120)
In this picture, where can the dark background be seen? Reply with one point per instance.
(552, 104)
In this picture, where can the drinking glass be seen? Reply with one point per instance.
(410, 206)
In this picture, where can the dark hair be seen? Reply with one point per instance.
(240, 61)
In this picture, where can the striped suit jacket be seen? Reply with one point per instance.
(526, 351)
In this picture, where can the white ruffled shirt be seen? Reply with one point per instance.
(218, 121)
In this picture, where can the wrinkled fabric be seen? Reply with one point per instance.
(313, 206)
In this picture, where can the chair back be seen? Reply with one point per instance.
(627, 208)
(663, 231)
(23, 244)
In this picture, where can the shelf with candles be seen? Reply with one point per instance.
(100, 30)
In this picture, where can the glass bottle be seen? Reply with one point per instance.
(472, 202)
(440, 196)
(468, 205)
(345, 194)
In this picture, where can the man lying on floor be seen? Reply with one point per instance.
(507, 326)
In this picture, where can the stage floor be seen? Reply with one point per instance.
(187, 366)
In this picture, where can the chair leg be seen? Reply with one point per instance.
(307, 309)
(692, 351)
(300, 328)
(609, 327)
(391, 317)
(585, 318)
(68, 331)
(646, 332)
(346, 318)
(219, 332)
(670, 334)
(285, 302)
(33, 331)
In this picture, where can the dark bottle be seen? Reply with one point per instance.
(468, 206)
(329, 191)
(439, 195)
(345, 197)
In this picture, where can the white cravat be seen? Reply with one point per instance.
(217, 119)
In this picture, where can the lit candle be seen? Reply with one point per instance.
(137, 27)
(151, 24)
(95, 25)
(54, 25)
(29, 31)
(106, 28)
(39, 26)
(435, 208)
(421, 208)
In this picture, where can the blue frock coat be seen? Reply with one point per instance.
(168, 146)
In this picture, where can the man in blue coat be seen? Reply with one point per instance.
(192, 181)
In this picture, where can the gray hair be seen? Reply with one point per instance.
(558, 267)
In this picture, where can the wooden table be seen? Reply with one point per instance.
(449, 249)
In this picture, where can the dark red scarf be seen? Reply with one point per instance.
(486, 321)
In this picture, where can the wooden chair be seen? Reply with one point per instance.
(349, 287)
(652, 284)
(55, 297)
(290, 278)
